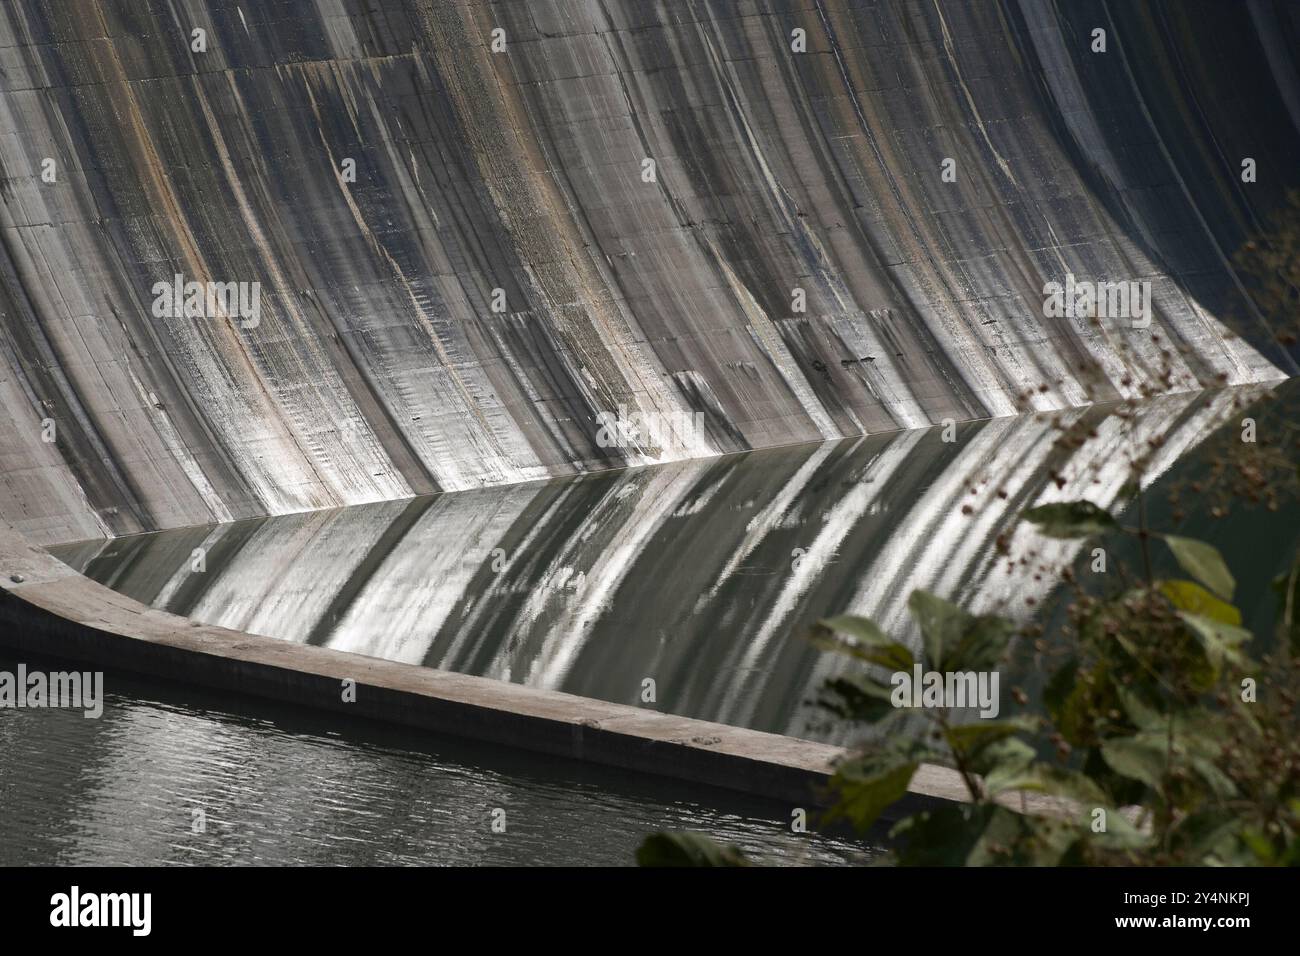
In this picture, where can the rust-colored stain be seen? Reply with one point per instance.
(495, 270)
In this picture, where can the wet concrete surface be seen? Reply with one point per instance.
(502, 271)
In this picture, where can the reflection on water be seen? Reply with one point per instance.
(281, 787)
(700, 575)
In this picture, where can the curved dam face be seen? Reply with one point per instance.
(706, 575)
(266, 257)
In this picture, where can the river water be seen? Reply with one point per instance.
(173, 775)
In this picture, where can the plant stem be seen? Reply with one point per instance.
(976, 792)
(1144, 536)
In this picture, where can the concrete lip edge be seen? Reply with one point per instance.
(47, 608)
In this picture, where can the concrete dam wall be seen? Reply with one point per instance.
(467, 236)
(683, 571)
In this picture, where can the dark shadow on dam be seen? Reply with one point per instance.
(702, 576)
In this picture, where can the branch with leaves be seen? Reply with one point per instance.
(1162, 740)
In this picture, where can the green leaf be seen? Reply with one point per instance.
(1006, 757)
(1070, 519)
(1066, 700)
(972, 738)
(1144, 715)
(1059, 686)
(862, 799)
(955, 640)
(1287, 587)
(1146, 756)
(1120, 833)
(1203, 562)
(857, 697)
(1218, 782)
(1054, 781)
(982, 644)
(941, 624)
(982, 834)
(1209, 835)
(1220, 641)
(1261, 847)
(1201, 732)
(1031, 840)
(942, 837)
(866, 785)
(861, 629)
(687, 849)
(1191, 597)
(1141, 757)
(866, 642)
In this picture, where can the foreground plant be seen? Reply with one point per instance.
(1157, 739)
(1160, 733)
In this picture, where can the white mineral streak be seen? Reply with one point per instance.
(651, 496)
(172, 586)
(770, 518)
(360, 472)
(682, 572)
(184, 457)
(521, 198)
(385, 365)
(468, 638)
(280, 590)
(738, 699)
(406, 601)
(948, 553)
(770, 341)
